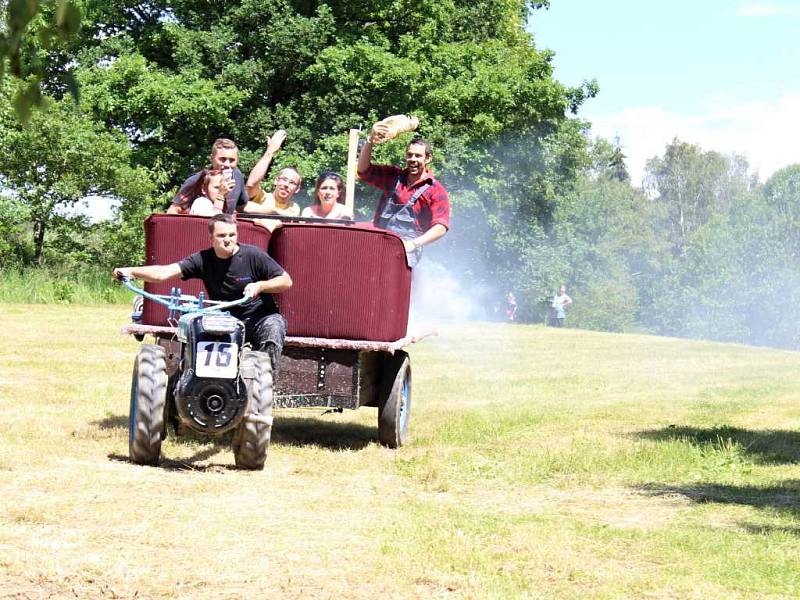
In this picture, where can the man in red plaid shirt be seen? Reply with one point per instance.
(414, 204)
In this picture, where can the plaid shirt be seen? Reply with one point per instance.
(432, 208)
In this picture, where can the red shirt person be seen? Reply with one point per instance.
(414, 204)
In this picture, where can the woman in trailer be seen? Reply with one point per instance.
(327, 193)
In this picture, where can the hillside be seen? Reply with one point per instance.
(544, 463)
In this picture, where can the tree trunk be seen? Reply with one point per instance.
(39, 227)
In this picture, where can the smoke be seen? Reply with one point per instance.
(437, 296)
(451, 283)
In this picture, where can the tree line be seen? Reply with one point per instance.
(135, 92)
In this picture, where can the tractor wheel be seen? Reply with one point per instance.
(394, 411)
(148, 399)
(251, 438)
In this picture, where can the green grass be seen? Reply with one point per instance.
(544, 463)
(42, 286)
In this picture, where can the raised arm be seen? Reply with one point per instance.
(258, 172)
(365, 156)
(150, 273)
(380, 132)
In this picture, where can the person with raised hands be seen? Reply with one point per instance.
(280, 200)
(414, 204)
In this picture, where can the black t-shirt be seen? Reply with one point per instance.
(225, 279)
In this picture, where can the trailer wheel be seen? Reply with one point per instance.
(148, 398)
(251, 439)
(394, 411)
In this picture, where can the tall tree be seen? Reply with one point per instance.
(60, 158)
(33, 34)
(692, 185)
(782, 192)
(175, 75)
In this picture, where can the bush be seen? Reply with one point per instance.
(89, 285)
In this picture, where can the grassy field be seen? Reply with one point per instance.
(545, 463)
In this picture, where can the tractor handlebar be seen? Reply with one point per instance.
(183, 303)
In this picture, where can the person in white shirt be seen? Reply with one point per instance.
(561, 302)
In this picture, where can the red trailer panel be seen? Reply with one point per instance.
(169, 238)
(350, 281)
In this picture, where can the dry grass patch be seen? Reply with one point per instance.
(545, 463)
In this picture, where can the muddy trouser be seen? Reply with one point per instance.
(267, 335)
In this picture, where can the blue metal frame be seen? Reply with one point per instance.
(181, 303)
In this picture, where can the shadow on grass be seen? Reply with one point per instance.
(769, 446)
(286, 431)
(112, 422)
(315, 431)
(782, 498)
(209, 448)
(770, 529)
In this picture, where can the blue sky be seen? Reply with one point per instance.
(721, 74)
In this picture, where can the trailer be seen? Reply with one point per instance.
(347, 314)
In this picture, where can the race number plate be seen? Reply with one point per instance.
(217, 359)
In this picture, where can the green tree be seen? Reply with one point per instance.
(608, 160)
(782, 193)
(737, 281)
(604, 230)
(175, 77)
(616, 163)
(60, 158)
(692, 185)
(172, 76)
(33, 34)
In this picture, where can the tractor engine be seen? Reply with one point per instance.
(210, 395)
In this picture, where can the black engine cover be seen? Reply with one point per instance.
(209, 405)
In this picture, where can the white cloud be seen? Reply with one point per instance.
(768, 9)
(767, 133)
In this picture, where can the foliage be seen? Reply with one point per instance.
(60, 158)
(171, 77)
(737, 282)
(603, 230)
(89, 285)
(782, 194)
(32, 36)
(174, 77)
(692, 186)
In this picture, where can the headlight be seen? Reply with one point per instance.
(220, 323)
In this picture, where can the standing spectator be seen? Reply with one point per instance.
(511, 307)
(560, 304)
